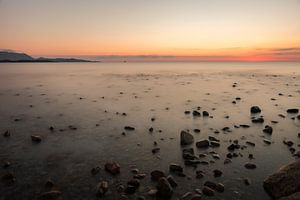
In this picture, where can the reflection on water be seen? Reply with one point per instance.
(92, 98)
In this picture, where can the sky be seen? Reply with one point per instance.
(208, 30)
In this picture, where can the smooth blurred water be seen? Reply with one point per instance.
(86, 94)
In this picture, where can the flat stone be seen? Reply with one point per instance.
(202, 144)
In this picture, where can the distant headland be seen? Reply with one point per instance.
(10, 56)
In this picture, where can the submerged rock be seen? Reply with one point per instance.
(202, 144)
(285, 182)
(250, 166)
(292, 110)
(102, 188)
(255, 109)
(51, 195)
(186, 138)
(36, 138)
(164, 188)
(157, 174)
(112, 167)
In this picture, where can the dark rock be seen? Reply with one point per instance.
(202, 144)
(217, 173)
(172, 181)
(214, 144)
(155, 150)
(129, 128)
(36, 138)
(284, 182)
(210, 184)
(267, 141)
(186, 138)
(258, 120)
(205, 114)
(6, 133)
(151, 129)
(102, 188)
(156, 175)
(208, 191)
(51, 195)
(164, 188)
(268, 129)
(197, 130)
(255, 109)
(112, 167)
(250, 166)
(196, 113)
(292, 110)
(220, 187)
(175, 168)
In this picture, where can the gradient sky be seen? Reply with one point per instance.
(207, 29)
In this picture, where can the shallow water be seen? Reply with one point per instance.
(86, 94)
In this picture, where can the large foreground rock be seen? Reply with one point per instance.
(295, 196)
(285, 182)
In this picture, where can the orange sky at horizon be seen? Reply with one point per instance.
(258, 30)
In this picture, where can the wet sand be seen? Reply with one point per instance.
(89, 104)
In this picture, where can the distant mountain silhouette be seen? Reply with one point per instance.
(13, 56)
(10, 56)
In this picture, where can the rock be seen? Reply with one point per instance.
(175, 168)
(49, 184)
(129, 128)
(150, 129)
(188, 154)
(205, 114)
(268, 129)
(186, 138)
(51, 195)
(95, 170)
(152, 192)
(112, 167)
(139, 176)
(164, 188)
(217, 173)
(208, 191)
(132, 186)
(295, 196)
(196, 113)
(36, 138)
(247, 181)
(156, 175)
(267, 141)
(258, 120)
(292, 110)
(250, 166)
(172, 181)
(214, 144)
(220, 187)
(212, 138)
(210, 184)
(6, 133)
(250, 143)
(233, 146)
(255, 109)
(6, 164)
(102, 188)
(8, 177)
(284, 182)
(196, 130)
(202, 144)
(186, 196)
(155, 150)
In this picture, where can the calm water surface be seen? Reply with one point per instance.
(89, 96)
